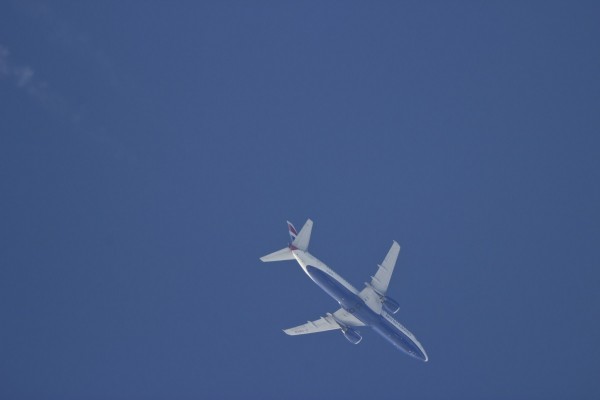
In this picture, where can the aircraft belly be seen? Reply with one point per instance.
(398, 339)
(357, 307)
(347, 300)
(332, 287)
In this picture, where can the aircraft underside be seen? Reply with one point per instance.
(369, 307)
(356, 306)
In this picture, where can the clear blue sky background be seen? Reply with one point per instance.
(151, 152)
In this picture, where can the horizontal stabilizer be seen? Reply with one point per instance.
(303, 238)
(279, 255)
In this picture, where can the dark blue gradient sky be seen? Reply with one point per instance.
(151, 152)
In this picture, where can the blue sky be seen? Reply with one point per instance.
(151, 152)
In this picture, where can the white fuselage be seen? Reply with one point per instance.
(348, 298)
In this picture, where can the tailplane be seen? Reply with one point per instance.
(300, 241)
(279, 255)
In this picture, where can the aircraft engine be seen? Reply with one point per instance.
(390, 305)
(352, 336)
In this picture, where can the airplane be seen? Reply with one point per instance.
(368, 307)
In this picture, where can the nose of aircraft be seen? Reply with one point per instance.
(419, 353)
(412, 348)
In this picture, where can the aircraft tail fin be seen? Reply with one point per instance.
(300, 241)
(292, 231)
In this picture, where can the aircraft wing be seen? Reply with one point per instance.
(382, 277)
(372, 293)
(327, 323)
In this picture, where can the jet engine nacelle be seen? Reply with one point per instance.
(352, 336)
(390, 305)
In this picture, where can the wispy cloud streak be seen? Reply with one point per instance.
(60, 32)
(24, 78)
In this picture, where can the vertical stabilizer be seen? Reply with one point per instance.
(292, 231)
(300, 241)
